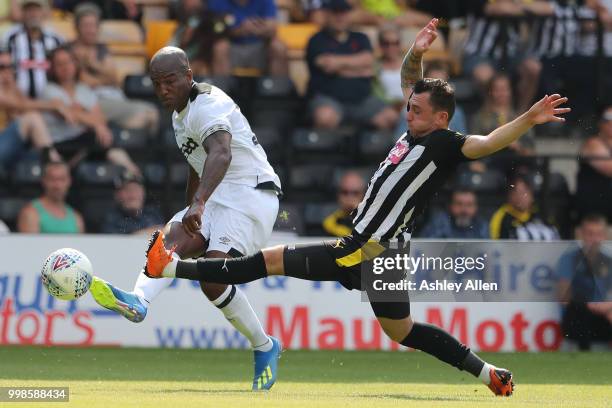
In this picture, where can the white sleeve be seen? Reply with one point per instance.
(210, 115)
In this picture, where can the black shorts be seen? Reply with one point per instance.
(340, 260)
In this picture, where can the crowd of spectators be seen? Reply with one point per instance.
(63, 101)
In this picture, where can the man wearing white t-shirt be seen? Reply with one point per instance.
(232, 202)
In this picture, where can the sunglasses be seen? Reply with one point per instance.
(350, 192)
(6, 66)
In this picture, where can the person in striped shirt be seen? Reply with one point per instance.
(414, 170)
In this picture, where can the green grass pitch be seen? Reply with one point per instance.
(217, 378)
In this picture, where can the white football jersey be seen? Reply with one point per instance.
(210, 110)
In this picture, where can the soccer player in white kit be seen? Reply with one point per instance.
(232, 198)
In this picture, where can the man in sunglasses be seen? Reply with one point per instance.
(350, 192)
(413, 171)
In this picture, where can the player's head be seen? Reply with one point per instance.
(592, 231)
(350, 191)
(605, 123)
(172, 77)
(130, 192)
(499, 90)
(430, 107)
(56, 180)
(520, 194)
(337, 15)
(87, 22)
(64, 65)
(463, 207)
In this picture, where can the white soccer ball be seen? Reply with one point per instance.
(67, 274)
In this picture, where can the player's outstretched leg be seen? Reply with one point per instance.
(440, 344)
(127, 304)
(112, 298)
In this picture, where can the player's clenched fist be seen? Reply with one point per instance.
(192, 220)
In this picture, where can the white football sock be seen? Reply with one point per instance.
(170, 269)
(241, 315)
(485, 375)
(148, 288)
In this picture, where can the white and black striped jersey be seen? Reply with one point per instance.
(30, 58)
(556, 35)
(414, 170)
(490, 36)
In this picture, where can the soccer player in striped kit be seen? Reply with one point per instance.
(415, 169)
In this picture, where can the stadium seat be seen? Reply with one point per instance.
(296, 36)
(274, 87)
(94, 212)
(270, 140)
(154, 174)
(178, 174)
(289, 218)
(228, 84)
(120, 32)
(556, 183)
(314, 214)
(374, 145)
(27, 172)
(139, 87)
(159, 34)
(129, 65)
(310, 177)
(490, 181)
(97, 173)
(62, 27)
(312, 140)
(130, 138)
(9, 209)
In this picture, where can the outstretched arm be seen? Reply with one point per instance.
(544, 111)
(412, 67)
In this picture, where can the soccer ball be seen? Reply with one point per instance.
(67, 274)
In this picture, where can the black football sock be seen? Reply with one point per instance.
(224, 270)
(440, 344)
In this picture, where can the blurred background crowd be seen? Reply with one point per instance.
(84, 146)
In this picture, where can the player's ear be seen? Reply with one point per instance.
(189, 74)
(441, 118)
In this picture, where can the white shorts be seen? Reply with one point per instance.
(237, 218)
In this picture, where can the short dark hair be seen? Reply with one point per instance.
(54, 163)
(441, 94)
(519, 178)
(594, 218)
(51, 56)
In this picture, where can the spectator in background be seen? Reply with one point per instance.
(50, 214)
(28, 44)
(518, 218)
(341, 65)
(98, 71)
(21, 124)
(253, 36)
(10, 10)
(594, 184)
(494, 44)
(389, 66)
(204, 36)
(350, 194)
(89, 133)
(459, 221)
(111, 9)
(584, 286)
(312, 11)
(379, 12)
(130, 215)
(497, 110)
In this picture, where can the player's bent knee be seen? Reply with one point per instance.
(396, 329)
(185, 245)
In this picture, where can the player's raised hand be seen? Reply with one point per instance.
(425, 38)
(192, 220)
(547, 110)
